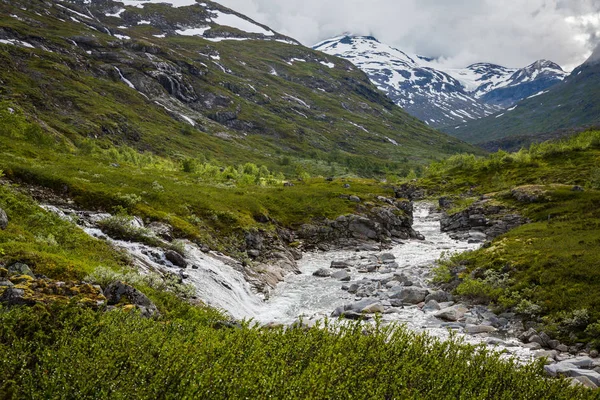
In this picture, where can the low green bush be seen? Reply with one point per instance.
(69, 352)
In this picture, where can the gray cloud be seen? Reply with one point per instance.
(510, 32)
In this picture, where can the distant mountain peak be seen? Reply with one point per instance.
(437, 95)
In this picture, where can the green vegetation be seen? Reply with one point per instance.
(69, 352)
(211, 204)
(548, 270)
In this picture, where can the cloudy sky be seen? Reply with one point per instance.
(513, 33)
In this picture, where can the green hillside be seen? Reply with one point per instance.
(570, 104)
(547, 270)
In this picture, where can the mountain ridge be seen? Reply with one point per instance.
(438, 95)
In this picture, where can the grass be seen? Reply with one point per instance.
(77, 355)
(548, 270)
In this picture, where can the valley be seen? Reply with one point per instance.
(194, 205)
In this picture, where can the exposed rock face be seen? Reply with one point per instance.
(481, 222)
(119, 292)
(3, 219)
(25, 289)
(379, 224)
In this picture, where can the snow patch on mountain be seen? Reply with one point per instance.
(436, 94)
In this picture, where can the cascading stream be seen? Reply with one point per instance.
(220, 285)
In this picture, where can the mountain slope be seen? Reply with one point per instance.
(438, 95)
(140, 73)
(572, 103)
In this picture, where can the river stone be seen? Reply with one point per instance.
(549, 354)
(20, 269)
(340, 264)
(431, 305)
(175, 258)
(440, 296)
(6, 283)
(559, 368)
(118, 291)
(594, 353)
(343, 276)
(562, 348)
(388, 258)
(322, 273)
(451, 313)
(373, 309)
(585, 382)
(536, 339)
(353, 288)
(406, 281)
(3, 220)
(553, 344)
(591, 375)
(532, 346)
(411, 295)
(475, 329)
(582, 362)
(355, 315)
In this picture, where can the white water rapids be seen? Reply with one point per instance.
(222, 286)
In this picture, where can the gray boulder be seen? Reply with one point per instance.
(15, 297)
(340, 264)
(388, 258)
(431, 305)
(475, 329)
(373, 309)
(176, 259)
(585, 382)
(440, 296)
(118, 292)
(591, 375)
(559, 368)
(411, 295)
(20, 269)
(3, 219)
(322, 273)
(451, 313)
(343, 276)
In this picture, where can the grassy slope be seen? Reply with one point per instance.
(570, 104)
(547, 270)
(66, 351)
(75, 92)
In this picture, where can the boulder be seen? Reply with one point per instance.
(582, 362)
(475, 329)
(585, 382)
(354, 199)
(119, 292)
(373, 309)
(388, 258)
(454, 313)
(591, 375)
(20, 269)
(549, 354)
(562, 348)
(340, 264)
(431, 305)
(15, 297)
(440, 296)
(411, 295)
(3, 220)
(176, 259)
(322, 273)
(343, 276)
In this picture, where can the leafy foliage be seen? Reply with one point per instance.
(85, 354)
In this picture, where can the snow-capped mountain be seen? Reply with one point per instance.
(437, 95)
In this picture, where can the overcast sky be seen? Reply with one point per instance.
(513, 33)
